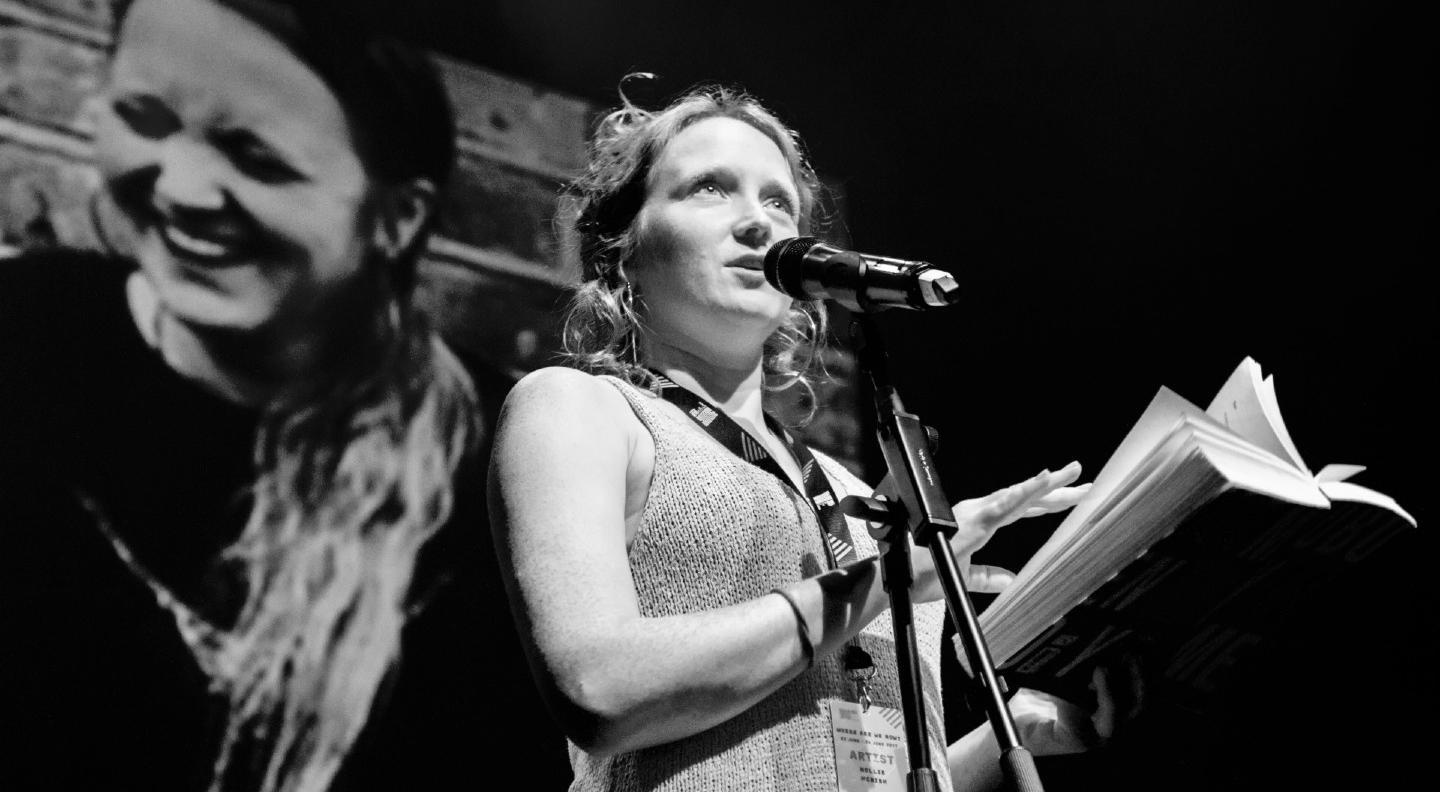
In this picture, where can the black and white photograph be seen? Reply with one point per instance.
(622, 395)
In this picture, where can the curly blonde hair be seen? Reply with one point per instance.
(604, 321)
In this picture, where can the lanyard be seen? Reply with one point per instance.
(839, 547)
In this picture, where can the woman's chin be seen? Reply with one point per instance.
(770, 310)
(204, 305)
(237, 297)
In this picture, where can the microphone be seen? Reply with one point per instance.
(808, 269)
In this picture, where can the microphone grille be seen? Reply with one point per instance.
(785, 249)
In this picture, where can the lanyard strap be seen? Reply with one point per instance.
(839, 547)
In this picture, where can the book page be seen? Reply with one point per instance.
(1254, 469)
(1156, 425)
(1246, 405)
(1279, 525)
(1196, 461)
(1348, 492)
(1338, 472)
(1271, 405)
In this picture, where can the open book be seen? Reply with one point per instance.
(1202, 535)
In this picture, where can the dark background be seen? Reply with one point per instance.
(1132, 194)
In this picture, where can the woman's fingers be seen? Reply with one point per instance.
(1045, 492)
(978, 518)
(1103, 717)
(1062, 498)
(1050, 725)
(1119, 696)
(1057, 500)
(984, 579)
(1004, 506)
(1136, 675)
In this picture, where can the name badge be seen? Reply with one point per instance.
(870, 749)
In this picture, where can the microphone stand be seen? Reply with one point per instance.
(921, 515)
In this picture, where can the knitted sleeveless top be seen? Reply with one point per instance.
(716, 531)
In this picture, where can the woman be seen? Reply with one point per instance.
(223, 462)
(680, 617)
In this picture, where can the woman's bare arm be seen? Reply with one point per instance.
(616, 680)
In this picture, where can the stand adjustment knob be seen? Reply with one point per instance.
(873, 510)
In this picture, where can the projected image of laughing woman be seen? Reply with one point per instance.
(224, 456)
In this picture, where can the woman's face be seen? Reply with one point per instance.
(235, 164)
(718, 196)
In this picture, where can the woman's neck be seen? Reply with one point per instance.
(735, 385)
(240, 367)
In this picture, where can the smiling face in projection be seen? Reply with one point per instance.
(235, 164)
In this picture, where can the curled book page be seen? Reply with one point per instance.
(1246, 405)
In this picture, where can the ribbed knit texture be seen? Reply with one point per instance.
(717, 531)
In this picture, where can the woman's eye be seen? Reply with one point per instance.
(265, 166)
(255, 159)
(707, 188)
(146, 116)
(784, 204)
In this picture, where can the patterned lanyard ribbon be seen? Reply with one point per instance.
(839, 547)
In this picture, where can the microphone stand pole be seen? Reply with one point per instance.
(921, 515)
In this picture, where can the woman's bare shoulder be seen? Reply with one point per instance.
(561, 396)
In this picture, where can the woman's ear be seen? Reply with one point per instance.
(403, 212)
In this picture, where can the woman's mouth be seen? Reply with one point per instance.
(195, 246)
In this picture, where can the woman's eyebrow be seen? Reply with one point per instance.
(710, 172)
(684, 180)
(785, 186)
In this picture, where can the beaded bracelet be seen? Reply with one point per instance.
(806, 645)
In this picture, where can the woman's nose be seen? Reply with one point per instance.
(754, 228)
(189, 176)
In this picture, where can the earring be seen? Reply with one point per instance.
(625, 291)
(625, 295)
